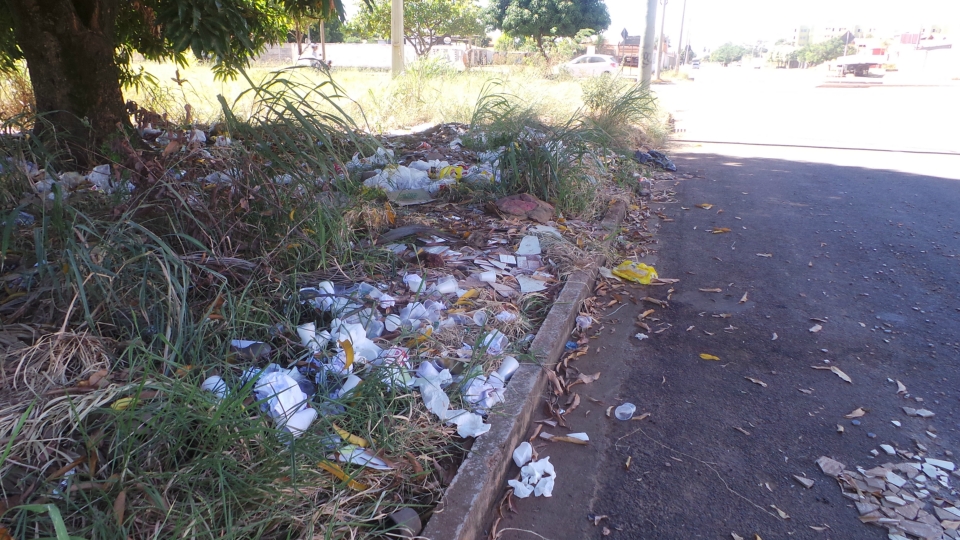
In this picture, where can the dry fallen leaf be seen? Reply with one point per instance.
(741, 430)
(819, 529)
(705, 206)
(606, 531)
(767, 255)
(629, 459)
(783, 515)
(841, 374)
(705, 356)
(836, 370)
(720, 230)
(736, 536)
(815, 328)
(743, 299)
(901, 389)
(839, 428)
(643, 416)
(756, 381)
(562, 438)
(711, 290)
(805, 390)
(856, 413)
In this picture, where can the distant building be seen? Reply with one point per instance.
(807, 35)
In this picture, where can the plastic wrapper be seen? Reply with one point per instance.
(636, 272)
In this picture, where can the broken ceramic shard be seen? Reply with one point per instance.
(830, 467)
(530, 285)
(529, 245)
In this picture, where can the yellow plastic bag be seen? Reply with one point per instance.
(638, 272)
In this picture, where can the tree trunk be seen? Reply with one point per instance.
(69, 48)
(540, 46)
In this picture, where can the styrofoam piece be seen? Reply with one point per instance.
(216, 385)
(298, 423)
(523, 454)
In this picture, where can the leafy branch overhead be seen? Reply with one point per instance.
(424, 21)
(547, 18)
(85, 106)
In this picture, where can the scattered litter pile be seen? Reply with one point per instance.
(912, 499)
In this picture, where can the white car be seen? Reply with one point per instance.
(590, 65)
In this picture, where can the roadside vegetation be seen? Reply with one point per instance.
(120, 298)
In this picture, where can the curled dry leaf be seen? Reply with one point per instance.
(765, 255)
(643, 416)
(901, 389)
(743, 299)
(736, 536)
(839, 428)
(705, 206)
(756, 381)
(562, 438)
(836, 370)
(815, 328)
(741, 430)
(720, 230)
(819, 529)
(574, 403)
(857, 413)
(705, 356)
(711, 290)
(583, 378)
(781, 513)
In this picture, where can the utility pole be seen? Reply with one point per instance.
(396, 38)
(660, 42)
(683, 19)
(646, 59)
(323, 42)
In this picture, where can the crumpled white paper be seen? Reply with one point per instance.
(431, 389)
(536, 477)
(282, 394)
(484, 392)
(468, 424)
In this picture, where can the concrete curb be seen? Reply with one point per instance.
(473, 493)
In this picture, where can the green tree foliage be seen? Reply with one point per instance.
(423, 21)
(818, 53)
(548, 18)
(78, 52)
(728, 52)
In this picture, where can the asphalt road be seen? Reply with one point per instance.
(875, 253)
